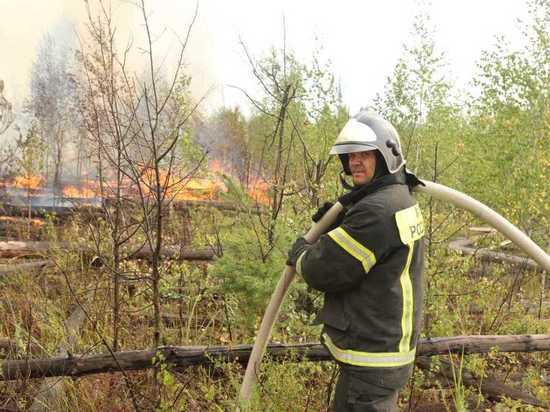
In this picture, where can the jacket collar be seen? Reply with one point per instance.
(401, 177)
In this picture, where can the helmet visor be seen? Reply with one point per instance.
(351, 147)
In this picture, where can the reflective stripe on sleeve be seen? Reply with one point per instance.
(353, 247)
(299, 263)
(372, 359)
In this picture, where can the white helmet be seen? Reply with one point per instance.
(368, 131)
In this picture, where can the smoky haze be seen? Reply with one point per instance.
(30, 21)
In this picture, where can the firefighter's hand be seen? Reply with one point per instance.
(299, 246)
(323, 210)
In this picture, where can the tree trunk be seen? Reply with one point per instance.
(7, 345)
(465, 247)
(207, 355)
(12, 249)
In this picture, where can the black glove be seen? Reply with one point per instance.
(299, 246)
(323, 210)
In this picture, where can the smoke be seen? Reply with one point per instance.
(173, 24)
(65, 21)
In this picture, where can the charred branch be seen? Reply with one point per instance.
(206, 355)
(176, 253)
(464, 246)
(55, 212)
(11, 249)
(8, 345)
(63, 212)
(223, 206)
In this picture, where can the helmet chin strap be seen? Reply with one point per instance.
(344, 182)
(348, 186)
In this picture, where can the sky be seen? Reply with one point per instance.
(363, 39)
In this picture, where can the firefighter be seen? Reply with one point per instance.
(369, 267)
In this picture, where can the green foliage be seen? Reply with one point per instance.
(30, 159)
(289, 386)
(459, 391)
(168, 383)
(509, 140)
(245, 274)
(295, 124)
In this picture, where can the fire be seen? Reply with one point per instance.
(202, 188)
(199, 189)
(182, 188)
(259, 191)
(215, 166)
(32, 222)
(28, 182)
(85, 192)
(205, 187)
(257, 188)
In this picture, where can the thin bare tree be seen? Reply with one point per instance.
(6, 113)
(136, 124)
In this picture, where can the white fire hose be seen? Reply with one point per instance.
(433, 189)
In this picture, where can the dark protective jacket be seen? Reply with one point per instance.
(370, 269)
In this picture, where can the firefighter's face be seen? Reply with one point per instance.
(362, 166)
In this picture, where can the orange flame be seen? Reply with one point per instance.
(32, 222)
(177, 187)
(257, 188)
(259, 191)
(28, 182)
(181, 188)
(86, 192)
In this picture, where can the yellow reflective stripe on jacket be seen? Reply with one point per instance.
(372, 359)
(410, 224)
(353, 247)
(407, 316)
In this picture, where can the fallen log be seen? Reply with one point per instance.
(55, 212)
(14, 248)
(464, 246)
(225, 206)
(183, 356)
(7, 344)
(11, 249)
(25, 267)
(483, 344)
(176, 252)
(61, 212)
(490, 387)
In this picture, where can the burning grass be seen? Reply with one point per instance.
(14, 220)
(207, 187)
